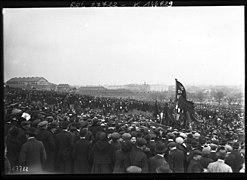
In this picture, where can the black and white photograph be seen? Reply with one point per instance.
(112, 90)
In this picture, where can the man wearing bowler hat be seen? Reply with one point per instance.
(32, 155)
(158, 160)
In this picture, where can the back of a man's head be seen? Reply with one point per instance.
(221, 153)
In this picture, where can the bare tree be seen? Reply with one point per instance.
(230, 99)
(219, 96)
(200, 96)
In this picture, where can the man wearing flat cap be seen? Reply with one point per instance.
(205, 160)
(80, 154)
(213, 150)
(47, 138)
(137, 157)
(126, 136)
(194, 164)
(95, 127)
(175, 158)
(63, 150)
(170, 138)
(158, 160)
(32, 154)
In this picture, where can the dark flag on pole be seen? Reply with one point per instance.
(180, 90)
(182, 105)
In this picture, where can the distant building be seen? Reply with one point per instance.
(92, 88)
(63, 87)
(158, 87)
(132, 87)
(29, 83)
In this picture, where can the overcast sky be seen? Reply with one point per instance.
(99, 46)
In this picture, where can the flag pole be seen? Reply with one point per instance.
(175, 100)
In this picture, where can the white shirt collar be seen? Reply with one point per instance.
(173, 148)
(221, 160)
(161, 155)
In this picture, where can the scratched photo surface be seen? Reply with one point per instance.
(116, 67)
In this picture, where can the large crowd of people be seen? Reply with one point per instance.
(64, 133)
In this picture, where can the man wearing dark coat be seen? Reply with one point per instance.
(183, 147)
(158, 160)
(170, 138)
(64, 145)
(22, 131)
(80, 154)
(48, 140)
(115, 145)
(137, 157)
(120, 157)
(205, 160)
(95, 127)
(32, 154)
(235, 159)
(189, 157)
(13, 146)
(101, 156)
(84, 125)
(175, 158)
(195, 165)
(213, 154)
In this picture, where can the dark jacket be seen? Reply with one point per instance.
(22, 136)
(48, 141)
(175, 160)
(33, 155)
(13, 150)
(94, 129)
(138, 158)
(155, 162)
(185, 150)
(115, 145)
(120, 157)
(235, 161)
(151, 145)
(205, 160)
(80, 154)
(63, 150)
(101, 157)
(213, 156)
(195, 167)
